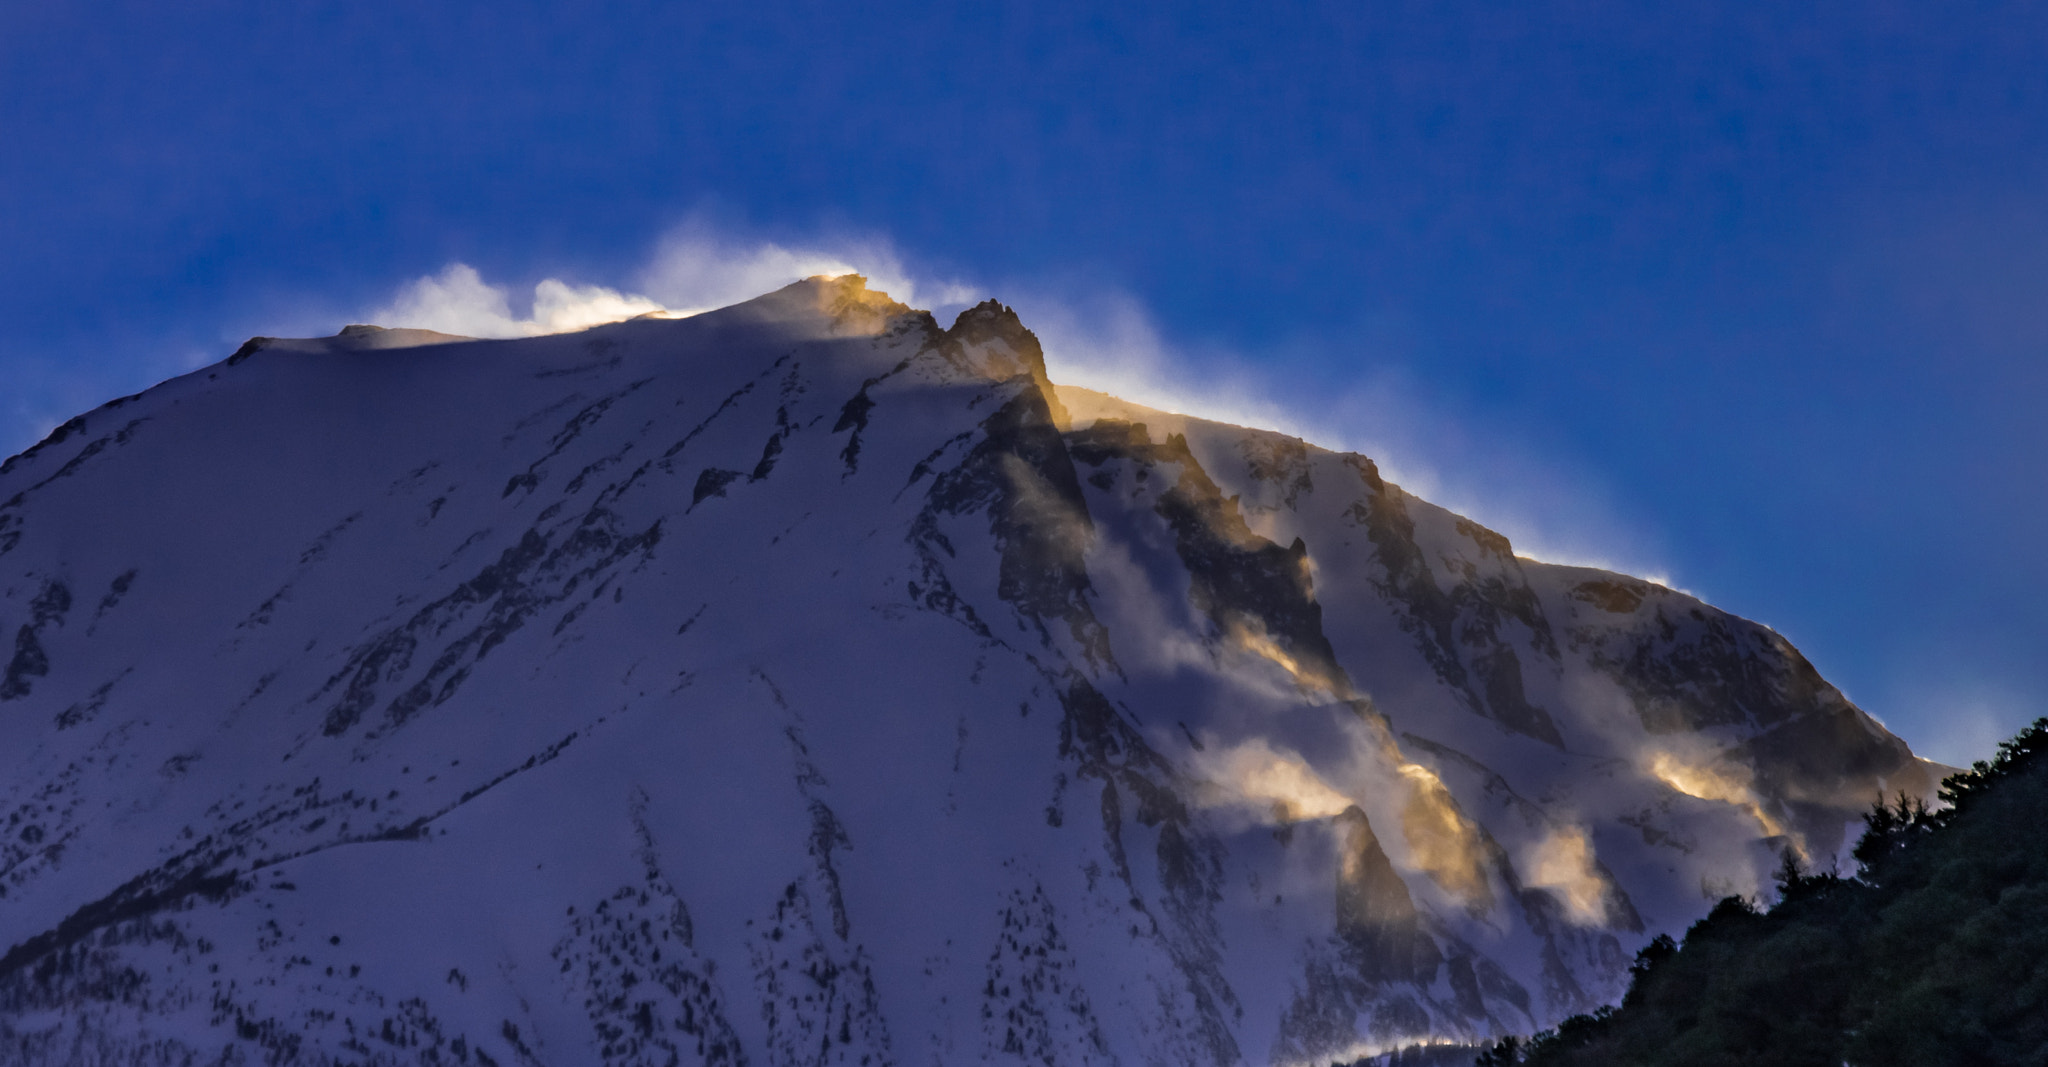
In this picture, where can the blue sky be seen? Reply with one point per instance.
(1753, 297)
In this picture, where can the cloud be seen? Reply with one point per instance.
(459, 301)
(1708, 777)
(1563, 863)
(1442, 841)
(697, 268)
(1108, 342)
(1964, 721)
(1275, 785)
(559, 307)
(694, 268)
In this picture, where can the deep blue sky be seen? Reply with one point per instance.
(1753, 295)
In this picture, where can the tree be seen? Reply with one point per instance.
(1507, 1052)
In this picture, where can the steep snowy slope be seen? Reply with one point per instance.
(802, 683)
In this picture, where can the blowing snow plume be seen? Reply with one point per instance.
(1709, 779)
(694, 269)
(458, 301)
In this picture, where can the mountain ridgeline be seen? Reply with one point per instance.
(804, 682)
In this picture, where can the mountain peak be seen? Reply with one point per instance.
(995, 325)
(842, 304)
(787, 678)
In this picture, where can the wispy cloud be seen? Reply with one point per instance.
(1964, 719)
(1276, 785)
(459, 301)
(694, 268)
(697, 267)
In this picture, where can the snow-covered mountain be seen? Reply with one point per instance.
(805, 683)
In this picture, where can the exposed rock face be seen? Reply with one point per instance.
(805, 683)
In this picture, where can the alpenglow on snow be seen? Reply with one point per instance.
(805, 683)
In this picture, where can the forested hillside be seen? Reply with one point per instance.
(1934, 952)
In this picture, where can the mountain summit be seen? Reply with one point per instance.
(805, 683)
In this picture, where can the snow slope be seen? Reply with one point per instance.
(804, 683)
